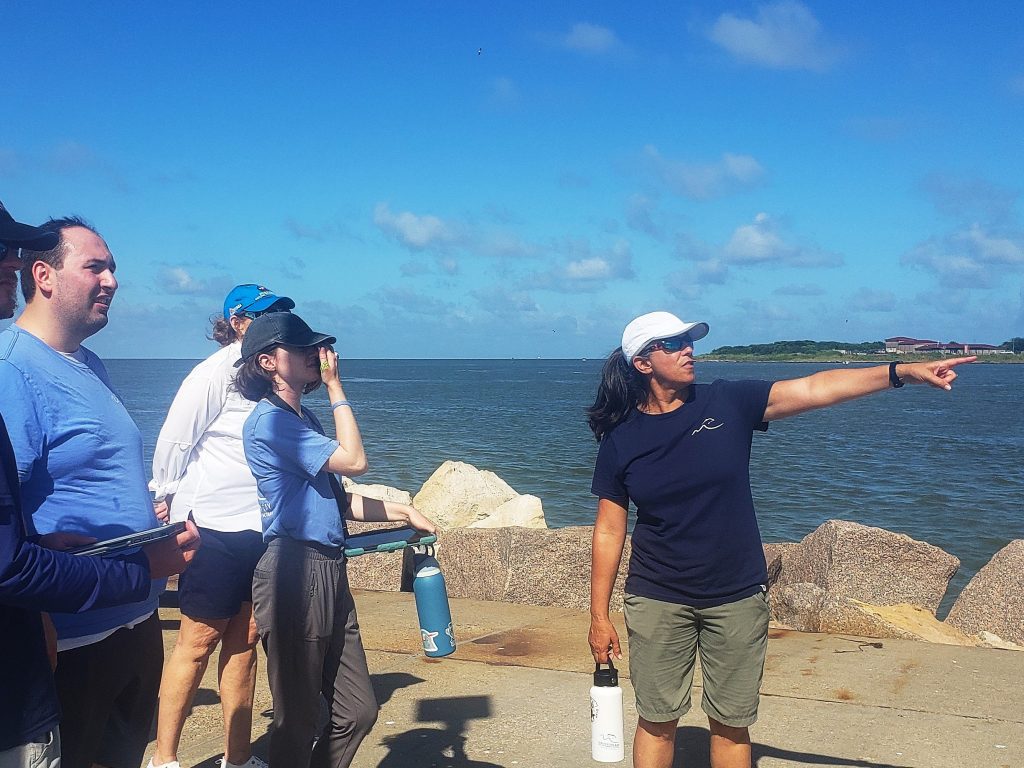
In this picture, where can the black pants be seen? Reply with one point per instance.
(307, 619)
(108, 692)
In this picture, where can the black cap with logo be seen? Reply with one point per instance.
(268, 331)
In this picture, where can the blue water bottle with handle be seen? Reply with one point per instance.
(432, 608)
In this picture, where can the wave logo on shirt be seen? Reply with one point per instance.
(265, 506)
(708, 424)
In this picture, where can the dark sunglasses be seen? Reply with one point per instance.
(674, 344)
(254, 315)
(6, 249)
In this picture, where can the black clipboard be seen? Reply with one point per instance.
(129, 541)
(386, 540)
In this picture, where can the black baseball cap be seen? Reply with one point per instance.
(267, 331)
(20, 235)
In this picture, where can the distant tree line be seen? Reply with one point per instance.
(803, 348)
(1016, 344)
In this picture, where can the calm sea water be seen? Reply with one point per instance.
(943, 467)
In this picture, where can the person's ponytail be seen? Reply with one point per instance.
(622, 389)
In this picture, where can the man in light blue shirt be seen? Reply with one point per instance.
(80, 463)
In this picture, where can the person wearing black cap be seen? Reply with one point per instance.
(199, 472)
(304, 609)
(34, 578)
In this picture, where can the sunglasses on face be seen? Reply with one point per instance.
(254, 315)
(674, 344)
(6, 250)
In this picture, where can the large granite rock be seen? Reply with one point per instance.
(993, 601)
(376, 491)
(797, 606)
(511, 565)
(459, 495)
(843, 615)
(869, 564)
(773, 558)
(382, 571)
(523, 565)
(525, 511)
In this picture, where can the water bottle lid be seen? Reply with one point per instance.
(606, 678)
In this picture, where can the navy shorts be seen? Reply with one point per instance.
(219, 578)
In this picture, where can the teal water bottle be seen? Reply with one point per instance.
(432, 608)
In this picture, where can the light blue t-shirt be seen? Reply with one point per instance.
(286, 452)
(80, 458)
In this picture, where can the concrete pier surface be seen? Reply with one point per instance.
(516, 693)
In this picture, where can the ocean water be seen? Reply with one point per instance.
(943, 467)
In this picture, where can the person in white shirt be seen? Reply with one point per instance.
(200, 472)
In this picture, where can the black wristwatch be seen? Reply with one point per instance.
(895, 380)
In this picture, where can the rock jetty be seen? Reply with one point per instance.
(843, 577)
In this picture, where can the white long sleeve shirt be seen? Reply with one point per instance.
(198, 456)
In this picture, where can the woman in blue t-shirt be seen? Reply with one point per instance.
(697, 580)
(301, 600)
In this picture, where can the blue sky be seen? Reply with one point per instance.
(517, 180)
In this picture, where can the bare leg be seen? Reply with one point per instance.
(197, 639)
(237, 679)
(654, 744)
(730, 747)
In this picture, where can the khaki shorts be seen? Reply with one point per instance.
(664, 640)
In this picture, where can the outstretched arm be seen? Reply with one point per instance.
(606, 552)
(820, 390)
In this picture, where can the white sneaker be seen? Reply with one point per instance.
(172, 764)
(252, 762)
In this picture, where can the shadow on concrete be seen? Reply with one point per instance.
(692, 748)
(444, 747)
(386, 683)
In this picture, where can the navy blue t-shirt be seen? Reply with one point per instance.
(696, 540)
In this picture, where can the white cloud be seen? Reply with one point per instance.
(703, 180)
(784, 35)
(583, 271)
(414, 231)
(594, 268)
(972, 257)
(591, 38)
(178, 280)
(761, 242)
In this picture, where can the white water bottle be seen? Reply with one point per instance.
(606, 742)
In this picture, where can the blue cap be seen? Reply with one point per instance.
(250, 297)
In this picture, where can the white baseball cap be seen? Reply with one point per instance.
(657, 325)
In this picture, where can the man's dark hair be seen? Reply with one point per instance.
(54, 257)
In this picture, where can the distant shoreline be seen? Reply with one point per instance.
(851, 358)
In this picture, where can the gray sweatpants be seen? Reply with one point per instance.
(307, 619)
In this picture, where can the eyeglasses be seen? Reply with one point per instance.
(6, 250)
(674, 344)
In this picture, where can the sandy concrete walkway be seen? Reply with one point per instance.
(516, 694)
